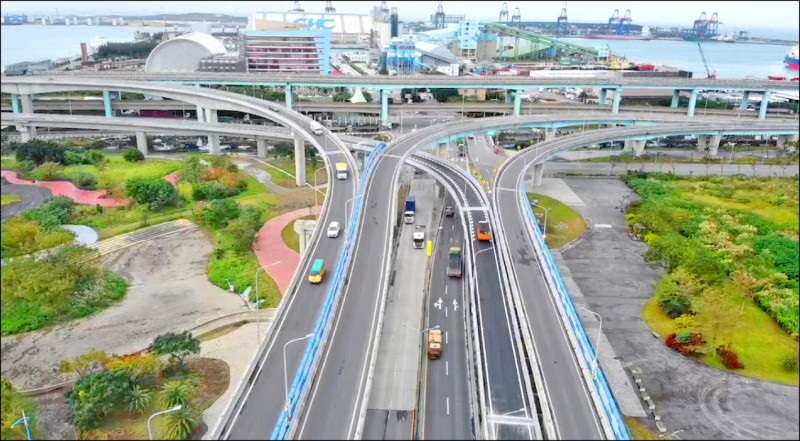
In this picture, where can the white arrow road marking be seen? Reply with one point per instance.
(438, 303)
(455, 305)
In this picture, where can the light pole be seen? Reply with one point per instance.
(285, 378)
(149, 428)
(258, 300)
(535, 204)
(315, 182)
(346, 212)
(462, 107)
(597, 343)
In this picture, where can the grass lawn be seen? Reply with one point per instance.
(8, 162)
(212, 376)
(563, 223)
(639, 431)
(9, 199)
(287, 165)
(758, 339)
(290, 237)
(117, 171)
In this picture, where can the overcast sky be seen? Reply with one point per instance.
(734, 14)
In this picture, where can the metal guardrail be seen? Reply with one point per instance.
(321, 332)
(610, 407)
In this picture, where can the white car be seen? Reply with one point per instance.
(333, 229)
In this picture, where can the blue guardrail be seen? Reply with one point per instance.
(302, 380)
(610, 406)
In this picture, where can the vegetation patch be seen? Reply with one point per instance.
(563, 223)
(64, 285)
(282, 171)
(638, 430)
(290, 237)
(730, 246)
(36, 229)
(13, 405)
(9, 199)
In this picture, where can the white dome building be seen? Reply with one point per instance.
(181, 54)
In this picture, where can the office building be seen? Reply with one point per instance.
(289, 51)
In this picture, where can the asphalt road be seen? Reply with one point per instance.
(32, 196)
(447, 395)
(256, 415)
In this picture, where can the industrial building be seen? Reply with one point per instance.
(27, 67)
(363, 29)
(297, 51)
(183, 53)
(222, 63)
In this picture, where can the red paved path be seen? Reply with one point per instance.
(270, 247)
(68, 189)
(172, 178)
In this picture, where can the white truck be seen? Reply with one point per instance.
(341, 170)
(419, 236)
(316, 128)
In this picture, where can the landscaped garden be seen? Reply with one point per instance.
(730, 247)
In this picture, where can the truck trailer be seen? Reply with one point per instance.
(411, 208)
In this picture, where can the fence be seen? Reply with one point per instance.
(308, 364)
(610, 407)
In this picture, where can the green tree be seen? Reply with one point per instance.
(138, 399)
(177, 346)
(181, 424)
(217, 214)
(95, 395)
(721, 313)
(133, 155)
(193, 170)
(175, 392)
(155, 193)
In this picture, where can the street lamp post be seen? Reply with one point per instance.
(597, 343)
(149, 428)
(258, 300)
(285, 377)
(535, 204)
(316, 190)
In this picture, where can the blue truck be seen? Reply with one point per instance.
(411, 208)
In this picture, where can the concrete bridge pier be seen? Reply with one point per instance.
(745, 99)
(538, 172)
(27, 132)
(549, 133)
(288, 91)
(713, 145)
(305, 230)
(627, 146)
(603, 96)
(107, 104)
(617, 98)
(141, 142)
(783, 139)
(201, 117)
(384, 107)
(213, 140)
(638, 147)
(517, 101)
(261, 147)
(15, 106)
(762, 111)
(676, 96)
(702, 142)
(299, 160)
(692, 102)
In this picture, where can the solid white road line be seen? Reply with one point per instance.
(448, 405)
(447, 368)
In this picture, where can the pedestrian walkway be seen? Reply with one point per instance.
(270, 248)
(68, 189)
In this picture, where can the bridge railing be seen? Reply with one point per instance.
(311, 357)
(609, 403)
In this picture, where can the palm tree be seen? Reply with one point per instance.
(181, 423)
(175, 392)
(138, 399)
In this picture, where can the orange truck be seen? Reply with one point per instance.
(434, 343)
(484, 233)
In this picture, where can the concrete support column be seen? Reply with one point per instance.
(213, 145)
(638, 147)
(261, 147)
(617, 98)
(141, 142)
(782, 139)
(676, 96)
(15, 106)
(201, 117)
(289, 97)
(603, 96)
(702, 142)
(627, 146)
(119, 95)
(384, 107)
(508, 96)
(27, 103)
(28, 132)
(713, 145)
(745, 99)
(762, 110)
(692, 102)
(107, 104)
(211, 116)
(299, 160)
(538, 172)
(517, 101)
(305, 230)
(549, 133)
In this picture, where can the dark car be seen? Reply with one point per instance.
(448, 211)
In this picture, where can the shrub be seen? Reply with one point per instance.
(39, 152)
(54, 212)
(182, 423)
(177, 346)
(142, 369)
(175, 392)
(193, 171)
(213, 190)
(729, 357)
(85, 180)
(133, 155)
(686, 343)
(138, 399)
(217, 214)
(97, 158)
(13, 404)
(48, 171)
(22, 237)
(790, 363)
(154, 193)
(95, 395)
(24, 168)
(75, 157)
